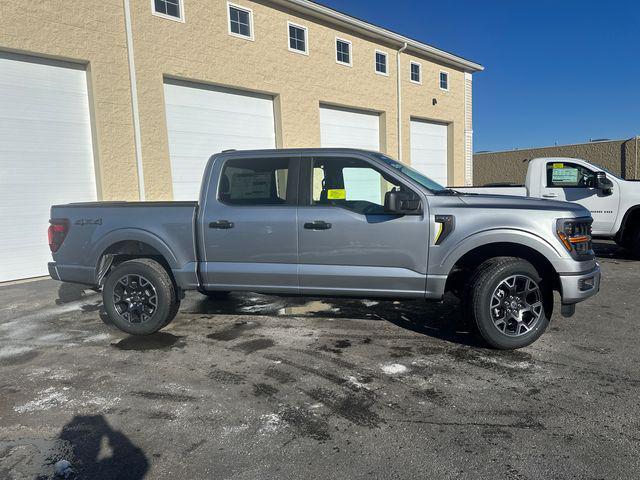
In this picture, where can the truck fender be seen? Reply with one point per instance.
(133, 234)
(495, 236)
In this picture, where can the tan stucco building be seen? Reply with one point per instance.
(198, 45)
(127, 99)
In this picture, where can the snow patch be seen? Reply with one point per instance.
(7, 352)
(393, 368)
(101, 337)
(271, 422)
(369, 303)
(46, 399)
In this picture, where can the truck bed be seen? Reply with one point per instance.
(96, 228)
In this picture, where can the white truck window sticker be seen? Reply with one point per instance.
(245, 186)
(565, 176)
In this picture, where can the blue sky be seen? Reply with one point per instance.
(559, 71)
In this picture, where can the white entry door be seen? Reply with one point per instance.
(347, 128)
(203, 120)
(429, 149)
(46, 156)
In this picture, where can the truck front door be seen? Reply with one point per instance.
(573, 182)
(348, 243)
(248, 225)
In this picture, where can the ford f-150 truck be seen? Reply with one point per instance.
(330, 222)
(614, 203)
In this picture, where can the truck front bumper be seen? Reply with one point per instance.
(575, 288)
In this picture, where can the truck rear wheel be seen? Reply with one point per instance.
(139, 297)
(508, 302)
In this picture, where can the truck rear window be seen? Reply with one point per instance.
(254, 181)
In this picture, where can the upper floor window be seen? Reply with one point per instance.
(298, 38)
(171, 9)
(381, 63)
(416, 72)
(444, 80)
(240, 21)
(343, 51)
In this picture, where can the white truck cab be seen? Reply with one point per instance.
(613, 202)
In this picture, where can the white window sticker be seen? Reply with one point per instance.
(250, 185)
(565, 176)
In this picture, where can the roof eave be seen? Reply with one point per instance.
(371, 30)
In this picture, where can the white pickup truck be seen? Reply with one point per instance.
(613, 202)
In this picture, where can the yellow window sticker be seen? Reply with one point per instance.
(337, 194)
(558, 165)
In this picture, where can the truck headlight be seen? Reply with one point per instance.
(575, 235)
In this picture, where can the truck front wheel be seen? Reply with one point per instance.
(139, 297)
(508, 302)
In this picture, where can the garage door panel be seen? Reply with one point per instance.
(203, 120)
(429, 149)
(46, 155)
(340, 127)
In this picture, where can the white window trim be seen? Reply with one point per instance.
(180, 19)
(306, 39)
(440, 83)
(335, 52)
(245, 9)
(420, 70)
(375, 61)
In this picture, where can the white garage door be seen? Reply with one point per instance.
(203, 120)
(346, 128)
(46, 156)
(429, 149)
(340, 127)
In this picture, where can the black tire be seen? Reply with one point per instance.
(633, 244)
(486, 302)
(146, 283)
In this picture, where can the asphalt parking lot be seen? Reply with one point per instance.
(262, 387)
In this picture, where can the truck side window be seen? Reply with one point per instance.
(350, 183)
(569, 175)
(254, 181)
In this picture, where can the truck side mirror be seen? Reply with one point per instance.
(603, 183)
(402, 203)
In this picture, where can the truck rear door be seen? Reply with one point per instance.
(248, 225)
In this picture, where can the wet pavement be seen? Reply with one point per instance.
(253, 386)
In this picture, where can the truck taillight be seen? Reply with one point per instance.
(57, 233)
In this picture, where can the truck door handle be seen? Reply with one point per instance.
(549, 195)
(317, 225)
(221, 224)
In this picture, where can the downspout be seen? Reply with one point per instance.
(404, 47)
(635, 172)
(134, 99)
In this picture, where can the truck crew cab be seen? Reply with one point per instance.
(330, 222)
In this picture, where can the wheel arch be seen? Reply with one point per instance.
(127, 244)
(631, 217)
(468, 256)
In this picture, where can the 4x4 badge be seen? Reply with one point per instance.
(88, 221)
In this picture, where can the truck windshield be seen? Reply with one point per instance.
(411, 173)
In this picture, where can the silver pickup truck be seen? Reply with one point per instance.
(330, 222)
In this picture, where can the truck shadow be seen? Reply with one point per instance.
(444, 320)
(610, 250)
